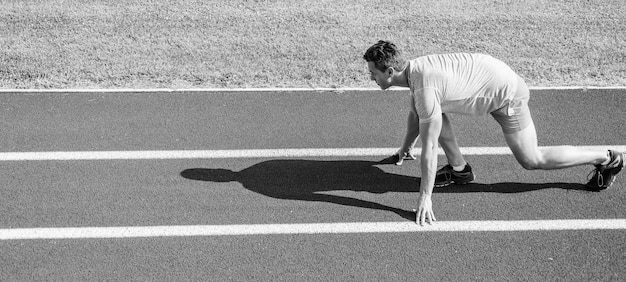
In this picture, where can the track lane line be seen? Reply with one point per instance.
(267, 89)
(253, 153)
(308, 228)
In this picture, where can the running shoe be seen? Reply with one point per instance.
(604, 175)
(446, 176)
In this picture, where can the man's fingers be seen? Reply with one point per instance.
(400, 157)
(431, 216)
(423, 216)
(400, 160)
(417, 216)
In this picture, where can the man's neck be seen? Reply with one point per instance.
(401, 78)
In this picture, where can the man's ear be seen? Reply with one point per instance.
(389, 71)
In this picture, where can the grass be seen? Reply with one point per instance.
(289, 43)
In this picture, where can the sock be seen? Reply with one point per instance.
(458, 168)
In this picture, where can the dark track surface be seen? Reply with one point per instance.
(288, 190)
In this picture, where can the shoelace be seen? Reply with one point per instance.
(597, 175)
(447, 174)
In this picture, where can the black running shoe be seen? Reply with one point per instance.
(604, 175)
(446, 176)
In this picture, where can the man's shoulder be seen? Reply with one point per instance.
(449, 56)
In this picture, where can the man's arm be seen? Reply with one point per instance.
(412, 132)
(429, 132)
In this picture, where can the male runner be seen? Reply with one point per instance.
(472, 84)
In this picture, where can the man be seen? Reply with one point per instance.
(472, 84)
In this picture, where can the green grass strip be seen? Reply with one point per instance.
(284, 43)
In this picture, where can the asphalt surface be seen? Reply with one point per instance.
(294, 190)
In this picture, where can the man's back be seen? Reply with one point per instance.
(464, 83)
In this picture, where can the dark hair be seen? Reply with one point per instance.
(384, 55)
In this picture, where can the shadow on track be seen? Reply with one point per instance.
(307, 180)
(509, 187)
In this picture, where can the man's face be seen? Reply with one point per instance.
(383, 79)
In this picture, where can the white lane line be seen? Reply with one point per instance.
(308, 228)
(254, 153)
(294, 89)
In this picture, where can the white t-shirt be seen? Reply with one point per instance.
(473, 84)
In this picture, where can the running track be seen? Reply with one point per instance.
(132, 186)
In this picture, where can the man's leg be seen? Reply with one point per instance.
(523, 142)
(524, 145)
(448, 143)
(457, 170)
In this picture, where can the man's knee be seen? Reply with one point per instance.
(531, 163)
(528, 165)
(530, 159)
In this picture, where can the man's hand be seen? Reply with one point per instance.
(400, 156)
(424, 212)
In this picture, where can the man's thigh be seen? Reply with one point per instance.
(515, 116)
